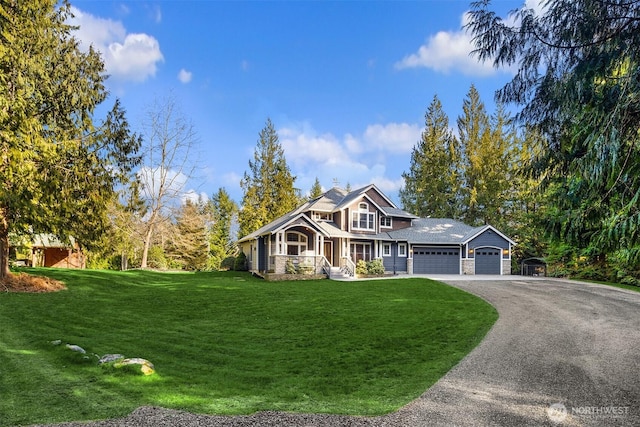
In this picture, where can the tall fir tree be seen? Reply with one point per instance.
(316, 189)
(268, 186)
(431, 187)
(474, 132)
(188, 245)
(221, 242)
(57, 165)
(577, 83)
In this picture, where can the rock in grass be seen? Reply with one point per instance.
(108, 358)
(76, 348)
(56, 342)
(146, 367)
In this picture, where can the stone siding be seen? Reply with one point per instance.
(469, 266)
(506, 267)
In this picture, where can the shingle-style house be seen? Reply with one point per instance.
(332, 232)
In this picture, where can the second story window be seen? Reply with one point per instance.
(362, 219)
(385, 221)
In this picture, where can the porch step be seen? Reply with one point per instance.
(338, 274)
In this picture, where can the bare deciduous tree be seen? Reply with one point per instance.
(167, 165)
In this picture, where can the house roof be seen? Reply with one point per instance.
(51, 241)
(329, 202)
(397, 212)
(422, 230)
(438, 231)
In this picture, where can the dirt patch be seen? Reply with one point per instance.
(23, 282)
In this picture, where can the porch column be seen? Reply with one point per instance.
(280, 243)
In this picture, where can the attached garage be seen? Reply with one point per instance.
(488, 261)
(440, 260)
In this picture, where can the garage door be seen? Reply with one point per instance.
(488, 261)
(436, 260)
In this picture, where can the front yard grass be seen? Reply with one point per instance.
(229, 343)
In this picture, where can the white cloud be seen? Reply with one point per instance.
(392, 137)
(352, 160)
(447, 51)
(185, 76)
(127, 56)
(155, 13)
(194, 197)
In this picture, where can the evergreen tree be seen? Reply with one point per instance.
(268, 187)
(474, 132)
(577, 83)
(316, 189)
(431, 187)
(57, 166)
(188, 245)
(223, 214)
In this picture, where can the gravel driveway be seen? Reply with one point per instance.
(561, 353)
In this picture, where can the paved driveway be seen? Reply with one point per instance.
(573, 346)
(561, 353)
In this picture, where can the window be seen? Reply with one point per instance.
(385, 221)
(360, 251)
(386, 249)
(402, 249)
(362, 219)
(321, 216)
(296, 243)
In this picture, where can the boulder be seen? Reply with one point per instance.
(146, 367)
(108, 358)
(76, 348)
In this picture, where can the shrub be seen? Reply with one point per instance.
(361, 267)
(156, 258)
(228, 263)
(375, 267)
(241, 262)
(290, 267)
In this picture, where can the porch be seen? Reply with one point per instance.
(309, 265)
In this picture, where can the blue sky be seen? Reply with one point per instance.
(346, 83)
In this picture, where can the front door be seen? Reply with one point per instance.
(328, 252)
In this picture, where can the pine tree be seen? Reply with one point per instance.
(474, 132)
(268, 187)
(316, 189)
(188, 245)
(57, 165)
(577, 82)
(432, 184)
(221, 242)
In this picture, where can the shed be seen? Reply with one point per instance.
(49, 251)
(533, 266)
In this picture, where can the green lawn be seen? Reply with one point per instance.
(229, 343)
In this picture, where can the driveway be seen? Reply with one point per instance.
(575, 346)
(561, 353)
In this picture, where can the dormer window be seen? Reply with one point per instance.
(322, 216)
(362, 219)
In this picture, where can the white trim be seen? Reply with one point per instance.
(402, 245)
(370, 217)
(490, 227)
(384, 247)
